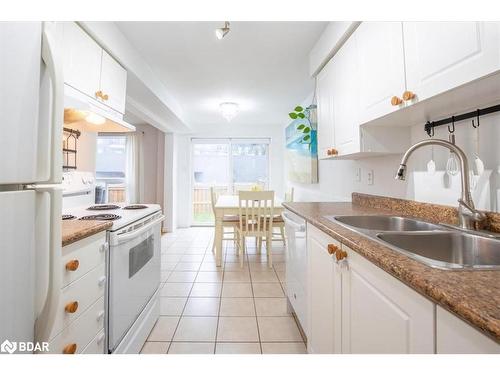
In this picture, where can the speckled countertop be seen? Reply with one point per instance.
(75, 230)
(474, 296)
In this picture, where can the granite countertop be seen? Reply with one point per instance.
(474, 296)
(75, 230)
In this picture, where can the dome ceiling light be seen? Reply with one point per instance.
(229, 110)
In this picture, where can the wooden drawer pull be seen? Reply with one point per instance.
(72, 265)
(340, 254)
(332, 152)
(105, 96)
(70, 349)
(332, 249)
(396, 101)
(408, 95)
(71, 307)
(98, 94)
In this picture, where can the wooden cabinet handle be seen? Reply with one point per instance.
(332, 152)
(70, 349)
(396, 100)
(408, 95)
(332, 249)
(72, 265)
(98, 94)
(104, 96)
(340, 254)
(71, 307)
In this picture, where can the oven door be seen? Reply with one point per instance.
(134, 276)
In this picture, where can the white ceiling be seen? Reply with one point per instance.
(263, 66)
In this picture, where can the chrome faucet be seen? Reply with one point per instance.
(468, 216)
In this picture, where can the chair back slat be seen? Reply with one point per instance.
(256, 211)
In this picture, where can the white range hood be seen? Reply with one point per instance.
(87, 114)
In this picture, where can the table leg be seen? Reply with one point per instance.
(218, 239)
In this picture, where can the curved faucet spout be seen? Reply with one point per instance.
(466, 219)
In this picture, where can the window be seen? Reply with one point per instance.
(110, 168)
(228, 165)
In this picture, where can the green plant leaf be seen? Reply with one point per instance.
(292, 115)
(298, 109)
(306, 138)
(301, 126)
(306, 130)
(301, 115)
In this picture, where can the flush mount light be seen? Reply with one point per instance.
(221, 32)
(95, 119)
(228, 110)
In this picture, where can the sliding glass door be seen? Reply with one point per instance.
(228, 165)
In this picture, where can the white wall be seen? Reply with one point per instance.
(86, 152)
(183, 144)
(338, 177)
(153, 160)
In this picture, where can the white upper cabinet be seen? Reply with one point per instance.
(82, 60)
(443, 55)
(380, 57)
(91, 70)
(382, 315)
(325, 112)
(113, 83)
(345, 99)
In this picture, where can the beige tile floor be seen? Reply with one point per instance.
(221, 310)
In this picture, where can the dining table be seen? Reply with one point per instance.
(229, 205)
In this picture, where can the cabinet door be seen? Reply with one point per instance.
(344, 86)
(325, 114)
(453, 336)
(113, 83)
(443, 55)
(382, 315)
(380, 56)
(324, 326)
(82, 60)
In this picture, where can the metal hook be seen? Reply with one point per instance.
(452, 130)
(429, 129)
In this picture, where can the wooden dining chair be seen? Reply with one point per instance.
(278, 221)
(256, 220)
(228, 221)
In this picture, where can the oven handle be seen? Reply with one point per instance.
(121, 238)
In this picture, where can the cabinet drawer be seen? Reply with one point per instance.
(85, 291)
(82, 331)
(96, 346)
(82, 256)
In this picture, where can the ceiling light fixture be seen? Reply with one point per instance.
(221, 32)
(95, 119)
(229, 110)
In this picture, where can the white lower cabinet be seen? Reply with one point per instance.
(453, 336)
(324, 289)
(356, 307)
(380, 314)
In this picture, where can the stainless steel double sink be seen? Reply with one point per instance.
(435, 245)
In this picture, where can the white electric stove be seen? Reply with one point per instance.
(133, 262)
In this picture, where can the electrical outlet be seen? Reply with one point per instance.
(358, 175)
(369, 177)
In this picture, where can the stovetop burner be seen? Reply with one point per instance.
(102, 207)
(135, 207)
(68, 217)
(101, 217)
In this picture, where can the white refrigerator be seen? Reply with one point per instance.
(31, 117)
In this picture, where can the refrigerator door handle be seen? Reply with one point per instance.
(45, 320)
(54, 66)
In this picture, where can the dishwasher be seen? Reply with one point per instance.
(296, 267)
